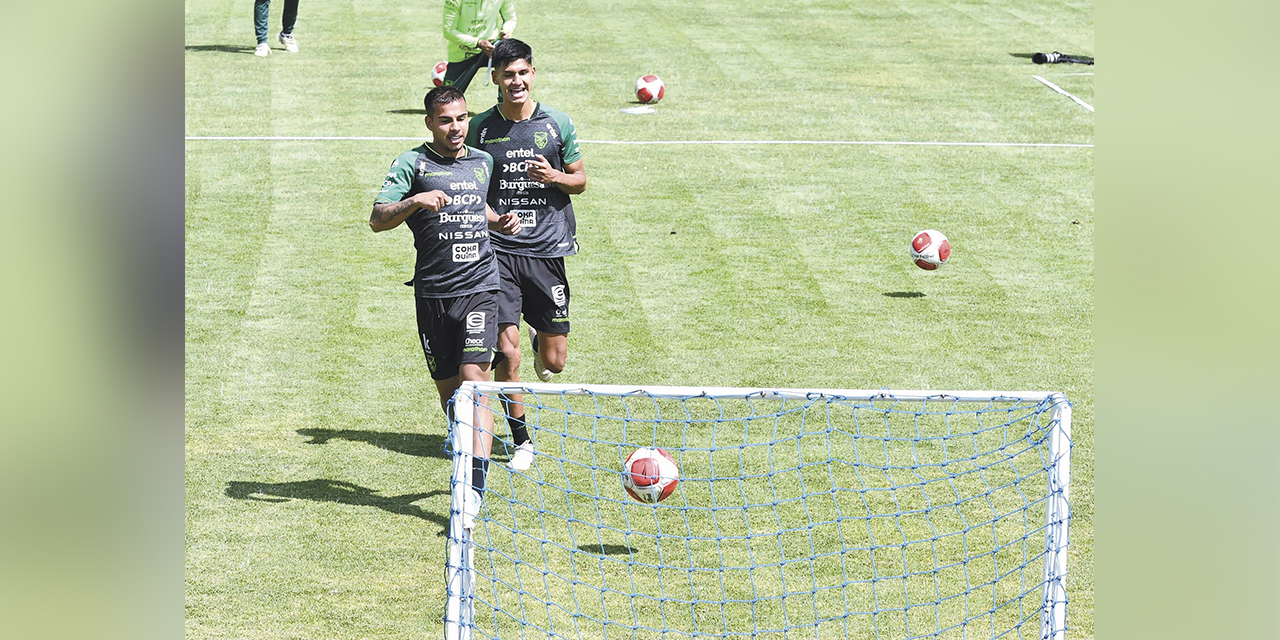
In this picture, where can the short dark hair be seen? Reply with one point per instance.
(440, 96)
(509, 50)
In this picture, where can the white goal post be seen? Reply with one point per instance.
(800, 513)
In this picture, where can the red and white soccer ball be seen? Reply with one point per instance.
(650, 475)
(649, 89)
(930, 249)
(437, 73)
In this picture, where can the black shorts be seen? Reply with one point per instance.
(457, 331)
(535, 288)
(460, 73)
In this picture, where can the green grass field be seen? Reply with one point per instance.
(316, 484)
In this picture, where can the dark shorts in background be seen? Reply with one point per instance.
(457, 331)
(460, 73)
(535, 288)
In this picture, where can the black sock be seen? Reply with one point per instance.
(519, 431)
(479, 468)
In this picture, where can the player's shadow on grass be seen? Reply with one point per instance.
(337, 491)
(224, 48)
(904, 294)
(607, 549)
(423, 445)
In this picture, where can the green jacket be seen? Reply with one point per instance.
(467, 22)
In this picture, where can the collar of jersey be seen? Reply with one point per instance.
(536, 107)
(465, 150)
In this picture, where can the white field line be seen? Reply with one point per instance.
(1059, 90)
(882, 143)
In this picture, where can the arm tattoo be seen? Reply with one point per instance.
(385, 213)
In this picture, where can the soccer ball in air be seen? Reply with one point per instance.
(437, 73)
(649, 89)
(930, 249)
(650, 475)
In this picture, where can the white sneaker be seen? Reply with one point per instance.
(544, 374)
(523, 457)
(289, 43)
(263, 50)
(470, 508)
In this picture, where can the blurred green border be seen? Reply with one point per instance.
(1186, 320)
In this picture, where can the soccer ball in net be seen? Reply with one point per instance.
(437, 73)
(930, 249)
(649, 89)
(650, 475)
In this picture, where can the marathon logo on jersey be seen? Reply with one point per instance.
(528, 218)
(540, 139)
(557, 296)
(552, 130)
(462, 218)
(422, 170)
(466, 252)
(519, 185)
(475, 322)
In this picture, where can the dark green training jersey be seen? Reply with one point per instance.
(455, 257)
(546, 214)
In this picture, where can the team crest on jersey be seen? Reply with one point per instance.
(540, 139)
(480, 174)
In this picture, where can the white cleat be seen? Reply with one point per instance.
(523, 457)
(289, 43)
(470, 508)
(263, 50)
(544, 374)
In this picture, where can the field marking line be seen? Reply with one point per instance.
(882, 143)
(1059, 90)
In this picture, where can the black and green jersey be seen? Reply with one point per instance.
(455, 257)
(546, 214)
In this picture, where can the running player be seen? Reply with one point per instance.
(439, 189)
(537, 166)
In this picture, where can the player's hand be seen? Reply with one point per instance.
(508, 224)
(540, 170)
(431, 200)
(502, 35)
(486, 46)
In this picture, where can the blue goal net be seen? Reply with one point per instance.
(798, 514)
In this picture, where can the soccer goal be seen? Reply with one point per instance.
(800, 513)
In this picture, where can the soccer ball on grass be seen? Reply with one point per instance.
(649, 89)
(930, 249)
(437, 73)
(650, 475)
